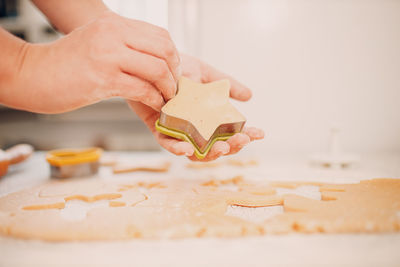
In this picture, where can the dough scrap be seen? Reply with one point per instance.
(183, 208)
(124, 168)
(145, 185)
(369, 206)
(76, 186)
(236, 180)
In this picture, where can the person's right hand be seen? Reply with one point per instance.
(111, 56)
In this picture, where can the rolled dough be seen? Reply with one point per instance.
(195, 208)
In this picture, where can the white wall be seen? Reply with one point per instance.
(152, 11)
(311, 64)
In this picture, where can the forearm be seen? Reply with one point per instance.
(67, 15)
(12, 51)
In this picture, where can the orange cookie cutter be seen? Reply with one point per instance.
(66, 163)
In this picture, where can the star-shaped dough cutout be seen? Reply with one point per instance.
(200, 114)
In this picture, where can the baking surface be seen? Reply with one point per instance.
(294, 249)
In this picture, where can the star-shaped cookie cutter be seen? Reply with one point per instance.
(200, 114)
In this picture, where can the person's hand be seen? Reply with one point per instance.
(111, 56)
(201, 72)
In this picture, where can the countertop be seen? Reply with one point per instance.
(278, 250)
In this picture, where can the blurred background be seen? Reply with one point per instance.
(312, 65)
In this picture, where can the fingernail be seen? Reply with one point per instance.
(245, 95)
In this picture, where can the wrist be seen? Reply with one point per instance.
(28, 77)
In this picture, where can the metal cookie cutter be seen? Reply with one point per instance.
(66, 163)
(185, 131)
(212, 99)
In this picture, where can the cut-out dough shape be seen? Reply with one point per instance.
(200, 114)
(197, 208)
(124, 168)
(76, 186)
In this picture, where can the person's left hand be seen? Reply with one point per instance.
(201, 72)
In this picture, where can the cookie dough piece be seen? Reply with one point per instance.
(257, 189)
(129, 199)
(124, 168)
(253, 201)
(141, 185)
(76, 186)
(247, 195)
(29, 200)
(214, 225)
(293, 185)
(236, 180)
(370, 206)
(93, 198)
(250, 193)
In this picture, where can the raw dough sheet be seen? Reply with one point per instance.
(272, 250)
(185, 208)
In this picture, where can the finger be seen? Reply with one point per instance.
(219, 148)
(146, 27)
(174, 146)
(149, 117)
(159, 47)
(238, 91)
(151, 69)
(182, 148)
(145, 113)
(134, 88)
(237, 142)
(253, 133)
(154, 41)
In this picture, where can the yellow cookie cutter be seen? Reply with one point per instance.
(185, 137)
(73, 156)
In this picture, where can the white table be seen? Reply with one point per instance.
(284, 250)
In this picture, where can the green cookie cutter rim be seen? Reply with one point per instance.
(185, 137)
